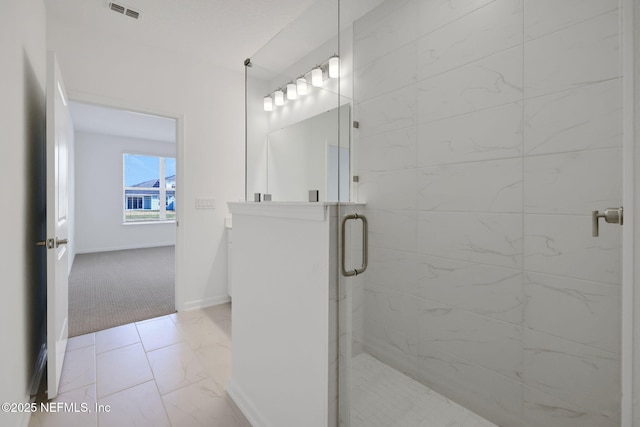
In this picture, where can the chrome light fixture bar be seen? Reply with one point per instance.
(329, 69)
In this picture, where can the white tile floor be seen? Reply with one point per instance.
(382, 397)
(174, 370)
(167, 371)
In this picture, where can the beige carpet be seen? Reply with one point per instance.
(108, 289)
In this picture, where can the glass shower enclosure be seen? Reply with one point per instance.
(477, 138)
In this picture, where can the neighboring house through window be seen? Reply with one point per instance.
(149, 188)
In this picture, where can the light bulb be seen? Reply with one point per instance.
(278, 97)
(302, 86)
(291, 91)
(334, 67)
(316, 77)
(268, 103)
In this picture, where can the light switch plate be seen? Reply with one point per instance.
(205, 203)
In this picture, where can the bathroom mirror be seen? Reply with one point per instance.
(292, 141)
(310, 155)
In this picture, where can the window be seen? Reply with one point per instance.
(134, 202)
(147, 181)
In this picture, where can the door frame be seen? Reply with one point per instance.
(180, 150)
(630, 379)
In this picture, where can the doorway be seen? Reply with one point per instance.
(123, 185)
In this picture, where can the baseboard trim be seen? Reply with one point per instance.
(206, 302)
(121, 248)
(248, 410)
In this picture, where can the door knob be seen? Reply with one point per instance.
(61, 242)
(611, 215)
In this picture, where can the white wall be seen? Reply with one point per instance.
(23, 53)
(209, 100)
(99, 199)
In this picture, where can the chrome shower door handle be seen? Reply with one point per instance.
(610, 215)
(365, 245)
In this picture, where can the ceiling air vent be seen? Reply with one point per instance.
(133, 13)
(124, 10)
(116, 8)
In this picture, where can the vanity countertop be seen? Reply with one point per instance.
(298, 210)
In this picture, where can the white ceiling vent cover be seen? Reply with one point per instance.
(116, 8)
(132, 13)
(124, 10)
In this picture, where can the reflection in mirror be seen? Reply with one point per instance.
(309, 43)
(315, 39)
(308, 155)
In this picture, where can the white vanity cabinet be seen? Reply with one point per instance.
(283, 274)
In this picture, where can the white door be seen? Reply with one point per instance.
(59, 132)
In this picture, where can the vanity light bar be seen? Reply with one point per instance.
(329, 69)
(292, 91)
(268, 103)
(278, 97)
(316, 77)
(334, 67)
(302, 88)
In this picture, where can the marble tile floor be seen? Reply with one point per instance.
(167, 371)
(382, 397)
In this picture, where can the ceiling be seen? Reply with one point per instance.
(223, 32)
(110, 121)
(312, 28)
(220, 32)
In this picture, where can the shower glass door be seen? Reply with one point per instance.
(487, 133)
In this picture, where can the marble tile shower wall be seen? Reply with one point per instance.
(489, 130)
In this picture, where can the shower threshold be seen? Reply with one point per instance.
(382, 397)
